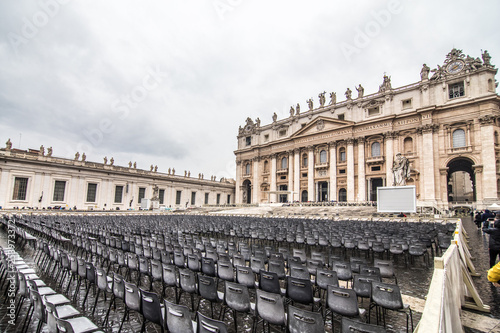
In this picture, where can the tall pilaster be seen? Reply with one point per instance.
(296, 175)
(290, 174)
(361, 170)
(273, 197)
(333, 170)
(310, 174)
(255, 181)
(350, 170)
(429, 190)
(488, 158)
(389, 157)
(238, 184)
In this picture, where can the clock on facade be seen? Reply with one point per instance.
(455, 67)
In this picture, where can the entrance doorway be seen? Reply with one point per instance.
(323, 191)
(247, 192)
(304, 197)
(283, 197)
(461, 180)
(375, 182)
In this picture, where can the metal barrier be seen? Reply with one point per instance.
(451, 282)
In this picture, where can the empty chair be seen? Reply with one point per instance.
(397, 250)
(300, 253)
(269, 281)
(301, 321)
(343, 302)
(343, 269)
(349, 326)
(362, 285)
(301, 291)
(76, 325)
(187, 282)
(132, 300)
(238, 260)
(132, 264)
(156, 272)
(179, 259)
(369, 270)
(270, 307)
(104, 283)
(209, 325)
(237, 298)
(193, 263)
(257, 264)
(300, 272)
(118, 293)
(245, 276)
(169, 272)
(62, 311)
(418, 250)
(152, 309)
(225, 270)
(207, 289)
(386, 269)
(356, 262)
(208, 267)
(277, 266)
(144, 268)
(178, 318)
(324, 278)
(387, 296)
(312, 265)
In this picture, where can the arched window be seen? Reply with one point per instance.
(376, 149)
(266, 166)
(458, 138)
(284, 163)
(247, 169)
(304, 197)
(322, 156)
(304, 161)
(342, 156)
(342, 195)
(408, 145)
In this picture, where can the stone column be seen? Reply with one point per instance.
(255, 180)
(290, 174)
(428, 193)
(296, 174)
(333, 170)
(478, 175)
(361, 170)
(238, 184)
(273, 197)
(310, 174)
(443, 184)
(389, 157)
(488, 159)
(5, 194)
(350, 169)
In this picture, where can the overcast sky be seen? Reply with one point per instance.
(169, 82)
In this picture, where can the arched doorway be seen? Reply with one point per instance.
(304, 196)
(322, 191)
(247, 192)
(461, 180)
(342, 195)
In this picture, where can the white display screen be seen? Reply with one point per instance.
(395, 199)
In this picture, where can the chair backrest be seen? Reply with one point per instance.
(38, 305)
(82, 268)
(151, 307)
(132, 296)
(369, 270)
(208, 266)
(277, 266)
(118, 286)
(132, 261)
(342, 301)
(207, 287)
(386, 267)
(169, 274)
(362, 284)
(236, 296)
(300, 272)
(144, 265)
(64, 326)
(245, 276)
(269, 281)
(101, 279)
(325, 277)
(356, 262)
(350, 326)
(270, 307)
(238, 260)
(343, 270)
(91, 273)
(299, 290)
(179, 259)
(187, 280)
(257, 264)
(178, 318)
(156, 270)
(300, 253)
(209, 325)
(193, 263)
(225, 270)
(387, 295)
(300, 321)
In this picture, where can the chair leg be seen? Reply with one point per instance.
(96, 299)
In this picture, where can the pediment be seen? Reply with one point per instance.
(322, 124)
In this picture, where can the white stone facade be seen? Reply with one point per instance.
(38, 174)
(447, 122)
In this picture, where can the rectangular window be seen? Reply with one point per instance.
(342, 156)
(228, 199)
(373, 111)
(142, 194)
(341, 171)
(406, 104)
(341, 117)
(282, 133)
(304, 175)
(91, 192)
(118, 194)
(456, 90)
(248, 140)
(266, 137)
(20, 188)
(218, 198)
(178, 197)
(161, 196)
(193, 198)
(59, 187)
(283, 177)
(376, 168)
(206, 198)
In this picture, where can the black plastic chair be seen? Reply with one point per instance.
(178, 318)
(225, 270)
(343, 302)
(132, 300)
(386, 269)
(245, 276)
(209, 325)
(193, 263)
(303, 321)
(324, 278)
(152, 309)
(269, 281)
(277, 266)
(118, 293)
(187, 282)
(387, 296)
(301, 291)
(104, 283)
(169, 272)
(362, 285)
(270, 307)
(207, 289)
(237, 298)
(349, 326)
(344, 271)
(208, 267)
